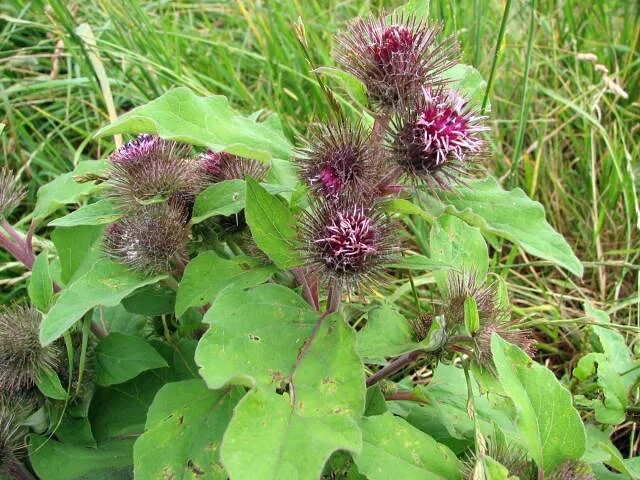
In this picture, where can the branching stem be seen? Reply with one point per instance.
(394, 366)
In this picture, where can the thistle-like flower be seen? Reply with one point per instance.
(148, 168)
(437, 140)
(346, 242)
(394, 57)
(460, 286)
(573, 470)
(511, 456)
(11, 194)
(421, 325)
(149, 239)
(338, 161)
(11, 441)
(22, 358)
(220, 166)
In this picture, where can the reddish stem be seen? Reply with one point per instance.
(392, 367)
(406, 396)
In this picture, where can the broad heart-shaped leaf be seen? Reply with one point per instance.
(445, 417)
(512, 215)
(459, 246)
(468, 81)
(122, 357)
(64, 189)
(101, 212)
(392, 448)
(184, 431)
(106, 284)
(267, 439)
(272, 225)
(78, 249)
(53, 460)
(40, 285)
(255, 336)
(616, 369)
(208, 274)
(549, 425)
(386, 334)
(210, 122)
(225, 198)
(291, 436)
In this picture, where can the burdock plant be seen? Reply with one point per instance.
(394, 57)
(22, 357)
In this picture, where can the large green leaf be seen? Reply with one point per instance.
(222, 198)
(255, 336)
(386, 334)
(53, 460)
(210, 122)
(78, 249)
(208, 274)
(184, 431)
(122, 357)
(459, 246)
(392, 448)
(291, 436)
(64, 189)
(550, 426)
(467, 80)
(40, 285)
(512, 215)
(616, 368)
(272, 225)
(99, 213)
(445, 417)
(106, 284)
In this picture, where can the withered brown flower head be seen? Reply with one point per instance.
(347, 242)
(220, 166)
(149, 239)
(11, 194)
(148, 168)
(22, 358)
(11, 441)
(573, 470)
(394, 56)
(338, 160)
(437, 140)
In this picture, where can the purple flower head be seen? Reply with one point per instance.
(149, 168)
(22, 357)
(11, 194)
(220, 166)
(338, 161)
(438, 139)
(149, 239)
(394, 57)
(347, 242)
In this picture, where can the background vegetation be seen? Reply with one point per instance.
(564, 117)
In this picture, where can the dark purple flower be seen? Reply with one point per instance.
(338, 161)
(220, 166)
(150, 239)
(22, 358)
(11, 194)
(394, 57)
(438, 139)
(347, 242)
(150, 168)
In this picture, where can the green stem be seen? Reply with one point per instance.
(496, 53)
